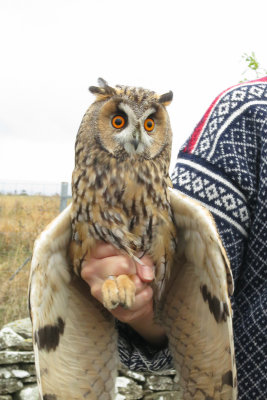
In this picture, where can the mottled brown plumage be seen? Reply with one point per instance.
(121, 177)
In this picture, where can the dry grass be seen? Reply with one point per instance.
(22, 218)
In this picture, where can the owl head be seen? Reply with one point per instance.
(127, 122)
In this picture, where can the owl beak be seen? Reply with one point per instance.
(135, 140)
(135, 143)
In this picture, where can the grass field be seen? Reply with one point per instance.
(22, 218)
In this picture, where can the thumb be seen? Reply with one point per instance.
(145, 272)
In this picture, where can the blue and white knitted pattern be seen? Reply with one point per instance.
(224, 166)
(138, 355)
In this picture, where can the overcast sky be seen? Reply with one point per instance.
(53, 50)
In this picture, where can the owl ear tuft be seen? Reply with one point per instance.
(102, 91)
(166, 99)
(102, 82)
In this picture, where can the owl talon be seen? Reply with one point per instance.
(110, 294)
(126, 289)
(113, 305)
(118, 291)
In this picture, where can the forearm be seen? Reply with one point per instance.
(149, 330)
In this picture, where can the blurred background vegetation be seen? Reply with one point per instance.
(22, 218)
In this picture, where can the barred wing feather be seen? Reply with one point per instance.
(197, 311)
(75, 341)
(74, 336)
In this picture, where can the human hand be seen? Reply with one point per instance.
(104, 261)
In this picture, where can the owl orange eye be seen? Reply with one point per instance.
(118, 121)
(149, 124)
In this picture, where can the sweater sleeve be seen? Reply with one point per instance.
(223, 165)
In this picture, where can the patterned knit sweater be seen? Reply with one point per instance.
(224, 166)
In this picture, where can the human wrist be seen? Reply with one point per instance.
(152, 332)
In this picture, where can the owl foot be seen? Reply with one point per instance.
(117, 291)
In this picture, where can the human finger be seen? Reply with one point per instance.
(145, 270)
(103, 250)
(108, 266)
(139, 284)
(143, 305)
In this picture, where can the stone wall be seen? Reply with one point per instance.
(17, 371)
(18, 377)
(157, 386)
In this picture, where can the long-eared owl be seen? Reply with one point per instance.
(122, 195)
(120, 181)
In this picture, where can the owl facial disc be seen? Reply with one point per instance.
(134, 137)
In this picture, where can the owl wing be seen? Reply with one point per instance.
(196, 310)
(74, 336)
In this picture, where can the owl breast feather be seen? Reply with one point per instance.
(124, 204)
